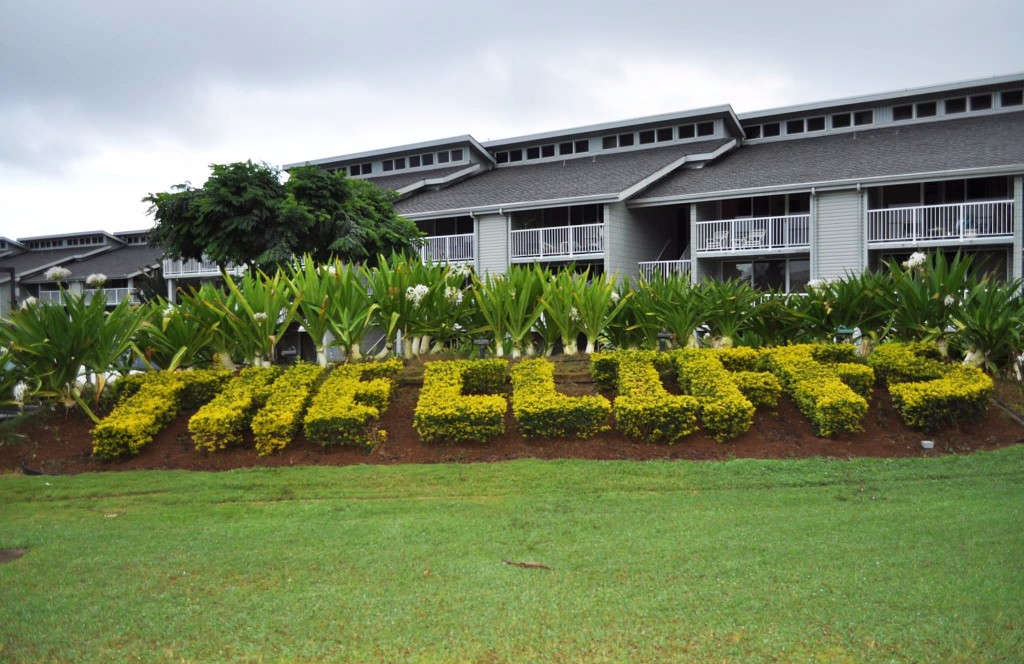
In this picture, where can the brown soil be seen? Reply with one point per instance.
(60, 442)
(7, 555)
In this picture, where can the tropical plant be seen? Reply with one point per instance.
(990, 326)
(676, 308)
(929, 289)
(258, 311)
(598, 303)
(728, 306)
(559, 300)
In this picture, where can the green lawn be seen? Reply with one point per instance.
(916, 560)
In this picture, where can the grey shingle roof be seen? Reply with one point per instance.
(118, 263)
(31, 260)
(398, 181)
(597, 175)
(981, 142)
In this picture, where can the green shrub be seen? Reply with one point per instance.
(763, 389)
(542, 412)
(278, 421)
(222, 421)
(961, 395)
(738, 359)
(446, 413)
(927, 392)
(346, 406)
(906, 362)
(643, 408)
(817, 388)
(725, 412)
(139, 417)
(604, 368)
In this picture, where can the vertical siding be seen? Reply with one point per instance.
(633, 236)
(491, 243)
(1016, 269)
(838, 234)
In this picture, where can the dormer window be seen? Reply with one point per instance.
(863, 117)
(981, 102)
(957, 105)
(1012, 98)
(771, 129)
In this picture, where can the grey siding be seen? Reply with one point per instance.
(838, 243)
(1016, 269)
(492, 243)
(633, 236)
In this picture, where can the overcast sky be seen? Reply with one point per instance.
(104, 101)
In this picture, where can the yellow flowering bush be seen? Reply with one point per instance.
(346, 406)
(542, 412)
(643, 408)
(222, 421)
(445, 413)
(724, 410)
(278, 421)
(139, 417)
(817, 387)
(760, 387)
(927, 392)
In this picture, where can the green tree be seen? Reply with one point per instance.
(244, 214)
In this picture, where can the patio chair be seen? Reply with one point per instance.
(718, 240)
(753, 240)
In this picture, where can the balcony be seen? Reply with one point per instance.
(178, 269)
(113, 295)
(448, 248)
(755, 235)
(557, 243)
(651, 270)
(941, 224)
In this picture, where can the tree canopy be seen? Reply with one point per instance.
(244, 214)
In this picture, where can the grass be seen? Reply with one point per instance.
(915, 560)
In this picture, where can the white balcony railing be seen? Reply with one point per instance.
(174, 269)
(664, 269)
(558, 242)
(448, 248)
(114, 295)
(755, 234)
(49, 296)
(934, 223)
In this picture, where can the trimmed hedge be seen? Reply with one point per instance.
(445, 412)
(724, 411)
(147, 401)
(279, 420)
(139, 417)
(927, 392)
(346, 406)
(643, 408)
(222, 421)
(760, 387)
(542, 412)
(818, 389)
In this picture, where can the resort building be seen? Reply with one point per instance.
(779, 196)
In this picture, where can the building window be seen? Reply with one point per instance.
(926, 109)
(443, 157)
(863, 117)
(788, 275)
(564, 148)
(515, 155)
(753, 132)
(547, 151)
(981, 102)
(533, 152)
(771, 129)
(646, 136)
(706, 129)
(958, 105)
(664, 134)
(428, 159)
(840, 120)
(687, 131)
(609, 142)
(457, 154)
(414, 161)
(625, 140)
(795, 126)
(388, 165)
(1012, 98)
(904, 112)
(583, 145)
(816, 124)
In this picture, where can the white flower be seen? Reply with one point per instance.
(20, 392)
(415, 294)
(615, 297)
(332, 270)
(462, 270)
(57, 273)
(169, 311)
(260, 316)
(818, 283)
(949, 301)
(453, 295)
(574, 314)
(916, 259)
(96, 280)
(28, 302)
